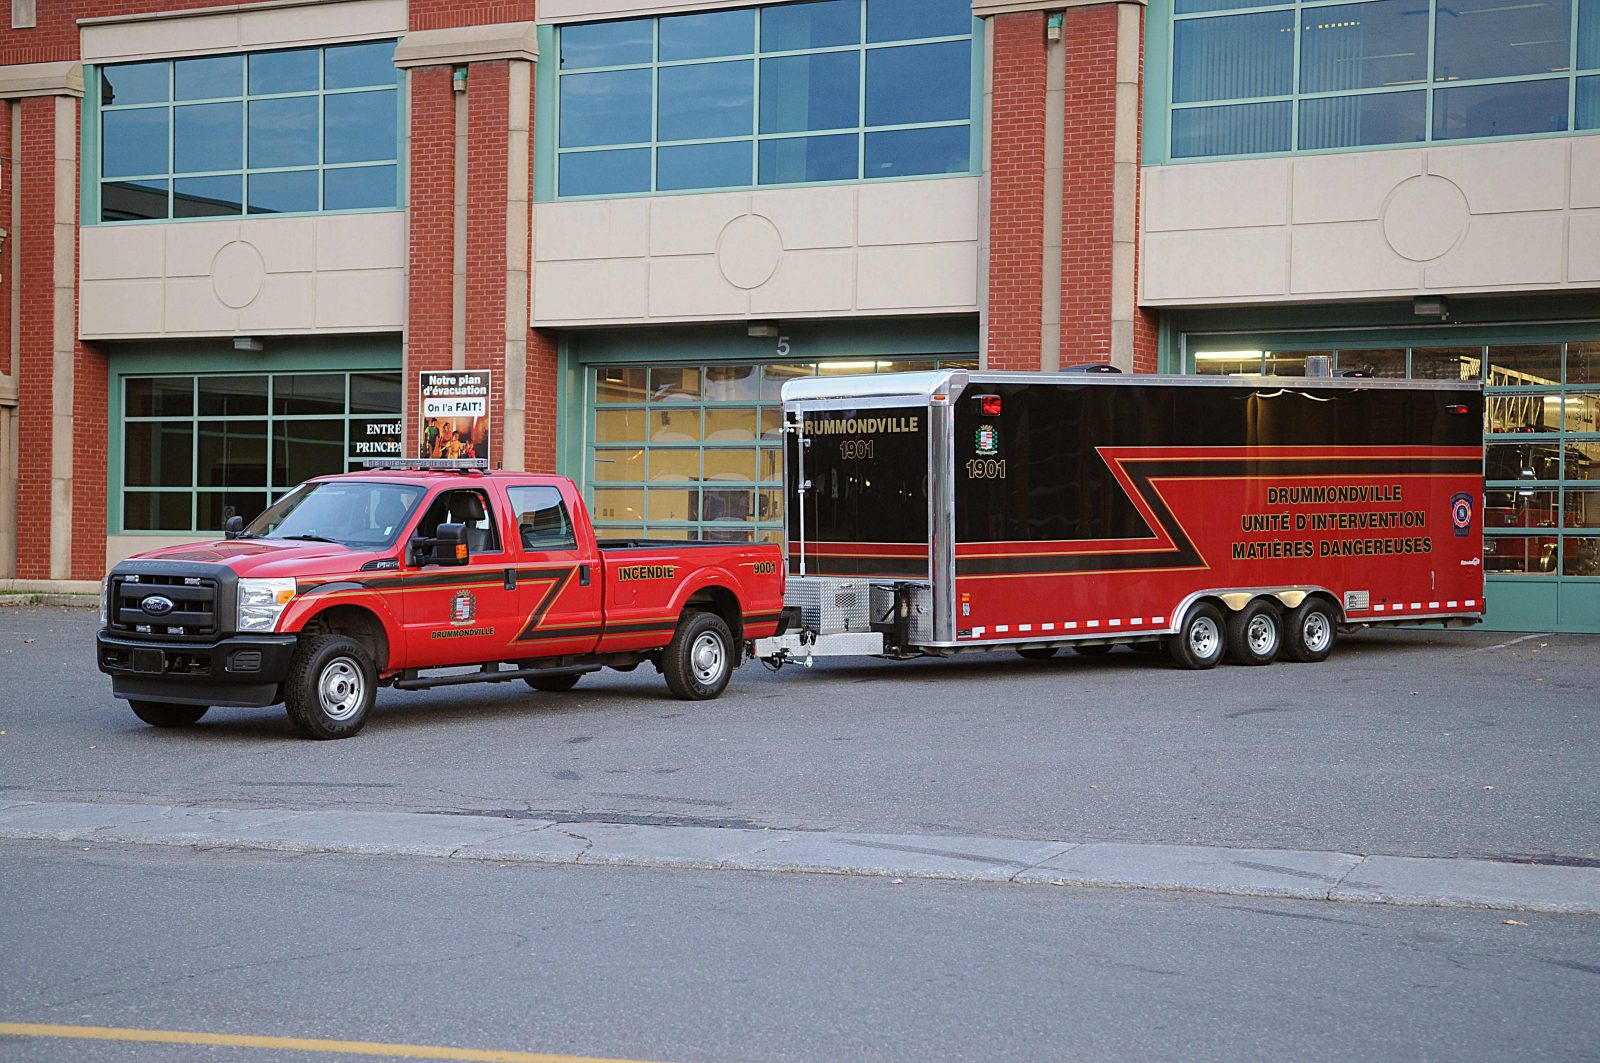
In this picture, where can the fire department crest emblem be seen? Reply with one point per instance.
(463, 608)
(988, 440)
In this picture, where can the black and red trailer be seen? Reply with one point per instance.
(936, 513)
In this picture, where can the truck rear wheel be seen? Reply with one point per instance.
(698, 662)
(330, 688)
(1310, 632)
(166, 714)
(1200, 639)
(1255, 633)
(553, 684)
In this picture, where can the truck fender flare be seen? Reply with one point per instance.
(713, 579)
(304, 610)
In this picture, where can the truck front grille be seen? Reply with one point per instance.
(193, 599)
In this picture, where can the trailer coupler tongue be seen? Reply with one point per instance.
(777, 660)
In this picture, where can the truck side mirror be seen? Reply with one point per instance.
(232, 527)
(447, 547)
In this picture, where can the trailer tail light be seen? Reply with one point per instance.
(989, 405)
(1459, 408)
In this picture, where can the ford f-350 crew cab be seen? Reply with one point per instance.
(386, 577)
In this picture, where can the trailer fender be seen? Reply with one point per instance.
(1236, 598)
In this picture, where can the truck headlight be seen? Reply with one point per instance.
(262, 602)
(105, 600)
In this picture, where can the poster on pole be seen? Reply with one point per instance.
(455, 415)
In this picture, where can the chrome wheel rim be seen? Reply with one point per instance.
(1317, 632)
(1262, 635)
(706, 657)
(341, 689)
(1204, 637)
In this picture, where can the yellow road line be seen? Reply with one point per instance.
(295, 1044)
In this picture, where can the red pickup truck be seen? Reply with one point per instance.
(385, 577)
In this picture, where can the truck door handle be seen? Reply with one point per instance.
(583, 575)
(511, 579)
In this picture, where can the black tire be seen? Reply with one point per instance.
(1201, 638)
(330, 687)
(1255, 633)
(553, 684)
(166, 714)
(1093, 651)
(1310, 631)
(699, 660)
(1037, 653)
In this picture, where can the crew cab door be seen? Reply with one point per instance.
(559, 577)
(465, 614)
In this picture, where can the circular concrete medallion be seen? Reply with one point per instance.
(1425, 217)
(237, 274)
(748, 251)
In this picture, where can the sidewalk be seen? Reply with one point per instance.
(1308, 875)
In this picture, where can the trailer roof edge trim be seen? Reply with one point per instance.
(922, 386)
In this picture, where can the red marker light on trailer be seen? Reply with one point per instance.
(989, 405)
(1461, 409)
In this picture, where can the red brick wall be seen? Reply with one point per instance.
(444, 14)
(35, 183)
(1016, 191)
(544, 360)
(1087, 213)
(430, 188)
(488, 113)
(8, 189)
(91, 377)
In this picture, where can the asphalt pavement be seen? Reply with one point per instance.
(1405, 743)
(680, 965)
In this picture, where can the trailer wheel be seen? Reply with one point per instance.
(1255, 634)
(1037, 653)
(1310, 632)
(1094, 651)
(698, 662)
(330, 688)
(553, 684)
(166, 714)
(1201, 638)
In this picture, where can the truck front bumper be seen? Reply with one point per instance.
(243, 670)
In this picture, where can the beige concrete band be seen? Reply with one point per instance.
(468, 44)
(41, 79)
(1125, 186)
(986, 8)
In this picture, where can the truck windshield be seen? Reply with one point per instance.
(364, 516)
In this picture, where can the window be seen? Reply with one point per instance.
(823, 90)
(197, 449)
(696, 451)
(470, 508)
(312, 129)
(1541, 437)
(1309, 75)
(361, 515)
(542, 519)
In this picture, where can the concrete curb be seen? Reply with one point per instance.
(1435, 882)
(74, 601)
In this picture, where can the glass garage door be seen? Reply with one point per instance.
(695, 451)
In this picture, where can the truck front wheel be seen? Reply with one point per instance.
(698, 662)
(1200, 639)
(553, 684)
(331, 687)
(166, 714)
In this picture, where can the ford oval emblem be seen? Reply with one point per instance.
(156, 605)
